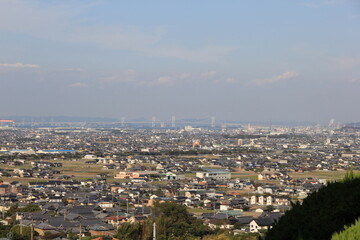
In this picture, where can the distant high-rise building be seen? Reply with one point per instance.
(212, 122)
(196, 143)
(173, 121)
(188, 128)
(332, 123)
(153, 119)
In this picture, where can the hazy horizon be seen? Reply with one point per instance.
(283, 60)
(167, 120)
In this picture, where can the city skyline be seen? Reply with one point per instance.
(258, 61)
(171, 122)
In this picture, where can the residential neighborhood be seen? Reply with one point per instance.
(89, 182)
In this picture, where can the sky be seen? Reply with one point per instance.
(243, 60)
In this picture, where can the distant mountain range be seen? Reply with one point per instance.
(357, 124)
(75, 119)
(60, 119)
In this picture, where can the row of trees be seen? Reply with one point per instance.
(172, 222)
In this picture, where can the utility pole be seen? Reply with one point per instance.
(21, 227)
(117, 220)
(80, 233)
(214, 206)
(154, 231)
(31, 231)
(142, 205)
(127, 206)
(138, 198)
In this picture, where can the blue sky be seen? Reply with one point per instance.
(236, 60)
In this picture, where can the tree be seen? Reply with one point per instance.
(30, 208)
(350, 232)
(4, 230)
(21, 232)
(269, 208)
(322, 213)
(172, 222)
(130, 231)
(238, 225)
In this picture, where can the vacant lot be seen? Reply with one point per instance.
(76, 168)
(328, 175)
(244, 174)
(80, 169)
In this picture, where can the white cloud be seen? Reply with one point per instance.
(207, 75)
(160, 81)
(231, 80)
(208, 53)
(310, 5)
(118, 37)
(355, 80)
(282, 77)
(318, 4)
(64, 22)
(19, 65)
(346, 63)
(164, 80)
(184, 75)
(73, 70)
(212, 77)
(121, 77)
(78, 85)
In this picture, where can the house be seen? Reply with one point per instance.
(136, 174)
(115, 220)
(245, 220)
(105, 204)
(269, 200)
(260, 223)
(89, 156)
(217, 174)
(138, 180)
(265, 221)
(253, 200)
(174, 176)
(105, 238)
(225, 205)
(191, 201)
(101, 230)
(55, 199)
(134, 219)
(260, 190)
(44, 227)
(261, 200)
(282, 201)
(4, 189)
